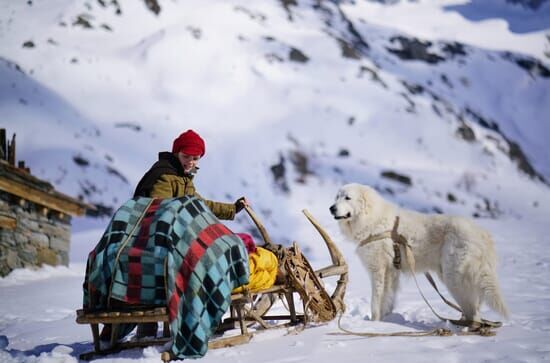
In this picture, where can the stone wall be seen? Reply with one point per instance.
(39, 238)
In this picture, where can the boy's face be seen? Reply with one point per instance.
(188, 162)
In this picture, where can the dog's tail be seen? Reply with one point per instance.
(492, 295)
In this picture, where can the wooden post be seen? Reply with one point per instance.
(95, 334)
(11, 151)
(3, 151)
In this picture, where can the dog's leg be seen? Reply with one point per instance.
(377, 296)
(468, 299)
(391, 285)
(460, 283)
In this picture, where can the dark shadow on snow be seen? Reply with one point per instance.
(77, 349)
(520, 19)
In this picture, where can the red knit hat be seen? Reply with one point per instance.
(248, 242)
(189, 143)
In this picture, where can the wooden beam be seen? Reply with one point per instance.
(42, 198)
(11, 151)
(3, 145)
(7, 222)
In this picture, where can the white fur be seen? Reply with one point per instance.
(458, 251)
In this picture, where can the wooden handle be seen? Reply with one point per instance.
(261, 228)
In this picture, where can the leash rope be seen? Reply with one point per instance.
(439, 332)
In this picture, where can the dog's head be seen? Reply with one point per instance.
(357, 209)
(352, 200)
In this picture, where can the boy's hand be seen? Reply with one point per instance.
(240, 204)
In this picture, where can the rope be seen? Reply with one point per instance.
(439, 332)
(434, 332)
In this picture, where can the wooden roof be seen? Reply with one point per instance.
(21, 183)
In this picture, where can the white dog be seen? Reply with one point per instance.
(461, 253)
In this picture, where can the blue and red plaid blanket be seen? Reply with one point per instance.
(168, 252)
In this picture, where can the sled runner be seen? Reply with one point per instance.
(247, 308)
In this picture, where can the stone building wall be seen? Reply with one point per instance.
(37, 239)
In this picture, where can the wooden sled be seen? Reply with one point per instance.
(160, 315)
(247, 308)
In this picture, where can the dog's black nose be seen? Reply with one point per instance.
(332, 209)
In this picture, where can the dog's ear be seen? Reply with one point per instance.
(364, 199)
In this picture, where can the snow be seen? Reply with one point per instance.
(115, 98)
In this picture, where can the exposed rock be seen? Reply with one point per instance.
(279, 175)
(532, 65)
(488, 124)
(414, 49)
(195, 32)
(465, 132)
(297, 55)
(80, 161)
(373, 75)
(113, 3)
(300, 162)
(153, 5)
(83, 20)
(414, 89)
(400, 178)
(252, 15)
(516, 153)
(116, 173)
(454, 49)
(129, 125)
(411, 107)
(451, 197)
(348, 50)
(513, 149)
(343, 153)
(287, 4)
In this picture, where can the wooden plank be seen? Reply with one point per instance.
(7, 222)
(91, 319)
(41, 198)
(229, 341)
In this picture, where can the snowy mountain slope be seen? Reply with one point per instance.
(229, 69)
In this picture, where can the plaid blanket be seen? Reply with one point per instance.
(168, 252)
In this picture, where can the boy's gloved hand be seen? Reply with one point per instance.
(240, 204)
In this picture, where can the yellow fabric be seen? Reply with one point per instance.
(263, 270)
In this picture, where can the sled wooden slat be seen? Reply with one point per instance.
(119, 317)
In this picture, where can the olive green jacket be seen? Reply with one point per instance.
(167, 179)
(168, 186)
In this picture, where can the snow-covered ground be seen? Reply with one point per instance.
(454, 94)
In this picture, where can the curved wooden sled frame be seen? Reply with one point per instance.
(248, 307)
